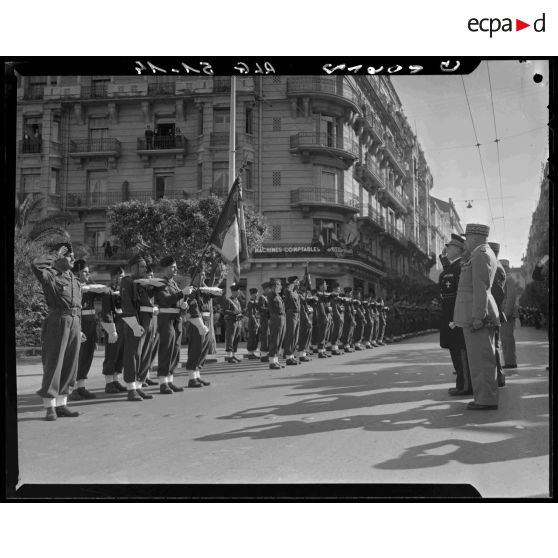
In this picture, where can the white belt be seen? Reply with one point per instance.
(146, 309)
(169, 310)
(206, 314)
(118, 310)
(88, 312)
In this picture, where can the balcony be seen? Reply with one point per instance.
(373, 218)
(397, 235)
(93, 148)
(116, 254)
(398, 201)
(309, 198)
(97, 91)
(372, 127)
(55, 148)
(30, 146)
(369, 173)
(313, 143)
(324, 88)
(34, 92)
(221, 139)
(368, 257)
(102, 200)
(396, 156)
(161, 89)
(176, 146)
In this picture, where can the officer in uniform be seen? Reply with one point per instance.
(61, 329)
(451, 337)
(360, 322)
(198, 339)
(381, 320)
(276, 324)
(306, 313)
(375, 320)
(322, 317)
(477, 314)
(369, 322)
(88, 328)
(292, 319)
(253, 324)
(154, 343)
(169, 299)
(498, 293)
(338, 315)
(233, 322)
(111, 322)
(349, 321)
(509, 309)
(133, 297)
(263, 310)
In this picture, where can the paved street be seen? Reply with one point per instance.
(377, 416)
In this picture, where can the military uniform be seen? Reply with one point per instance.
(475, 302)
(276, 328)
(451, 337)
(497, 291)
(198, 338)
(305, 334)
(263, 310)
(87, 348)
(253, 325)
(292, 322)
(368, 324)
(359, 326)
(381, 321)
(322, 319)
(233, 322)
(338, 317)
(349, 321)
(60, 332)
(509, 308)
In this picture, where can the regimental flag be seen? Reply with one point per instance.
(229, 235)
(306, 280)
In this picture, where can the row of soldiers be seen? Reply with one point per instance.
(299, 321)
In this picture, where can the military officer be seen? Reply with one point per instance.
(263, 310)
(154, 344)
(292, 319)
(233, 322)
(451, 337)
(276, 324)
(360, 322)
(349, 321)
(338, 316)
(381, 320)
(369, 322)
(499, 295)
(375, 320)
(61, 329)
(198, 335)
(477, 314)
(305, 334)
(253, 324)
(111, 322)
(169, 299)
(509, 308)
(322, 317)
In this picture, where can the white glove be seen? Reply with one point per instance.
(110, 328)
(452, 325)
(155, 310)
(183, 305)
(136, 328)
(83, 337)
(200, 326)
(187, 290)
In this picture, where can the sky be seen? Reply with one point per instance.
(437, 109)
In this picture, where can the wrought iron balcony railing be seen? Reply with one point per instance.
(165, 88)
(34, 92)
(162, 142)
(325, 142)
(325, 197)
(27, 146)
(323, 86)
(97, 91)
(97, 145)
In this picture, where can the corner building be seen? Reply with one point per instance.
(332, 164)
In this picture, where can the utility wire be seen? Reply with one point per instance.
(497, 142)
(479, 151)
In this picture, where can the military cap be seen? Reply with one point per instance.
(348, 289)
(167, 261)
(274, 282)
(235, 287)
(134, 260)
(79, 265)
(456, 240)
(495, 247)
(61, 244)
(478, 229)
(292, 279)
(116, 270)
(253, 290)
(266, 285)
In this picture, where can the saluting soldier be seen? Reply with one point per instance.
(305, 334)
(233, 322)
(198, 338)
(337, 314)
(322, 316)
(253, 324)
(133, 297)
(154, 344)
(169, 299)
(368, 324)
(498, 293)
(263, 310)
(88, 328)
(111, 322)
(382, 320)
(477, 314)
(292, 319)
(61, 330)
(359, 318)
(375, 320)
(451, 337)
(276, 324)
(349, 320)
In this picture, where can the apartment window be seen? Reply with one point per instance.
(220, 179)
(221, 120)
(32, 126)
(54, 186)
(96, 186)
(200, 122)
(55, 132)
(163, 185)
(248, 177)
(98, 132)
(276, 232)
(329, 130)
(249, 121)
(300, 107)
(276, 180)
(330, 185)
(95, 235)
(31, 183)
(327, 233)
(276, 124)
(200, 176)
(358, 285)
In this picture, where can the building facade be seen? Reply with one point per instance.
(332, 163)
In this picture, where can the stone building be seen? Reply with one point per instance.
(332, 163)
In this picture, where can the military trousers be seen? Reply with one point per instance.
(381, 330)
(198, 347)
(337, 329)
(87, 348)
(482, 364)
(305, 335)
(276, 334)
(264, 334)
(149, 323)
(232, 335)
(292, 327)
(348, 329)
(253, 336)
(114, 352)
(170, 340)
(60, 336)
(359, 330)
(367, 332)
(458, 354)
(507, 337)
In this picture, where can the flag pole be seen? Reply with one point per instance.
(232, 133)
